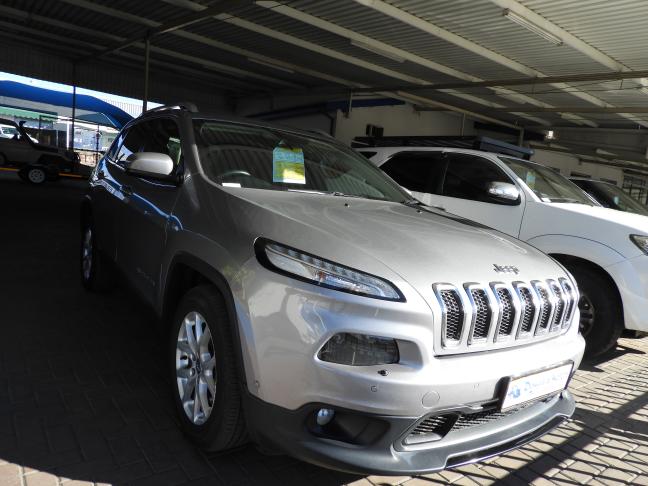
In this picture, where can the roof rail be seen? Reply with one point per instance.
(183, 105)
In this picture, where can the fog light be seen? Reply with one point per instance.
(324, 416)
(359, 350)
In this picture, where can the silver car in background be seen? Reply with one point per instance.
(313, 306)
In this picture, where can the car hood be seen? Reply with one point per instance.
(387, 239)
(605, 225)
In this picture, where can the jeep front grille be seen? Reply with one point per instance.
(476, 316)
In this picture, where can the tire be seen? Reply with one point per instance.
(217, 424)
(601, 311)
(36, 175)
(95, 270)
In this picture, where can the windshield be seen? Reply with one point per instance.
(614, 197)
(547, 184)
(238, 155)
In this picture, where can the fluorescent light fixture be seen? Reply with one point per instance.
(536, 29)
(377, 50)
(271, 65)
(550, 135)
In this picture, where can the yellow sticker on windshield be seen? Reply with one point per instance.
(288, 165)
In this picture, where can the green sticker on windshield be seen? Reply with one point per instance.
(288, 165)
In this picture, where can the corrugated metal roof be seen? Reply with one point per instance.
(618, 29)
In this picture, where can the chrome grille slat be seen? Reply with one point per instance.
(475, 316)
(507, 320)
(559, 312)
(483, 314)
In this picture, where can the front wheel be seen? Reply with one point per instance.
(36, 175)
(601, 314)
(205, 380)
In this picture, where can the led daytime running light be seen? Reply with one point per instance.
(325, 273)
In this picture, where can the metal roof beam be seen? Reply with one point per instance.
(430, 28)
(177, 24)
(154, 24)
(399, 53)
(133, 18)
(571, 109)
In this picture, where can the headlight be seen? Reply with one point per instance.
(359, 350)
(641, 242)
(324, 273)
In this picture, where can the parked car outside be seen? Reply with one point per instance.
(8, 131)
(314, 306)
(610, 195)
(605, 250)
(37, 162)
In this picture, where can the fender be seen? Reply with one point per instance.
(216, 278)
(591, 250)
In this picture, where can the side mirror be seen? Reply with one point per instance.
(149, 164)
(507, 193)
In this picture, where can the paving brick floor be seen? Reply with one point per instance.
(83, 397)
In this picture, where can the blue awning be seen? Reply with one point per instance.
(114, 115)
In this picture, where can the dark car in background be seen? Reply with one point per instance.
(36, 162)
(610, 195)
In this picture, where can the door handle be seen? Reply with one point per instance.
(127, 190)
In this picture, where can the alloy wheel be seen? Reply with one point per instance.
(587, 315)
(196, 368)
(86, 254)
(36, 176)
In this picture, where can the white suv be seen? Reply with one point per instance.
(604, 249)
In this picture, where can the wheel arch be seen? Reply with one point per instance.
(570, 260)
(186, 272)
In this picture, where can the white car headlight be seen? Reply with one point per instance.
(324, 273)
(641, 241)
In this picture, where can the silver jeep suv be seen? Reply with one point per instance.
(313, 306)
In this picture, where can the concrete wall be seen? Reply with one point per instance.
(395, 119)
(568, 163)
(399, 120)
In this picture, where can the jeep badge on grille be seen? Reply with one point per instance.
(505, 269)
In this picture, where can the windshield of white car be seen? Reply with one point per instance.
(616, 198)
(547, 184)
(249, 156)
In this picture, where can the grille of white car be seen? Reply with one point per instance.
(477, 316)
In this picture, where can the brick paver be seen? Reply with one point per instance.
(83, 396)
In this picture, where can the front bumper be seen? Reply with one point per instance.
(378, 447)
(631, 278)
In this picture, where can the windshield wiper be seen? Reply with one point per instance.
(412, 203)
(565, 200)
(344, 194)
(415, 203)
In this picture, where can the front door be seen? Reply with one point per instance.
(18, 150)
(465, 193)
(147, 207)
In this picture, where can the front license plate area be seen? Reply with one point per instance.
(535, 385)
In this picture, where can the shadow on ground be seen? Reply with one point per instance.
(82, 384)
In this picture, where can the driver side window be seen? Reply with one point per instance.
(160, 135)
(469, 177)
